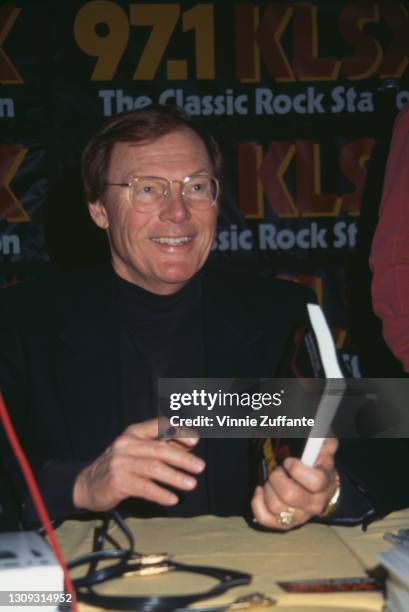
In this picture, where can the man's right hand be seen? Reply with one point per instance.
(137, 464)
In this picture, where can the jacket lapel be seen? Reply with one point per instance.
(87, 368)
(232, 338)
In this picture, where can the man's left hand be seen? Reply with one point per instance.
(296, 489)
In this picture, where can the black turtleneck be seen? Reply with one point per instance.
(161, 336)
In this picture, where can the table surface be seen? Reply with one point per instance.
(313, 551)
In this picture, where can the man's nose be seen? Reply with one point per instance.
(175, 209)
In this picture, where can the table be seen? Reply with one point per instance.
(313, 551)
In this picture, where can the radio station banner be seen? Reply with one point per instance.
(301, 96)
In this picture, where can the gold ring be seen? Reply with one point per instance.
(286, 517)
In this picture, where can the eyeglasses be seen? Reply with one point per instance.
(147, 193)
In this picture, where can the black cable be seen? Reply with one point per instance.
(128, 560)
(228, 579)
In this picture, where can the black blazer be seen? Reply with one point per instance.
(59, 369)
(60, 375)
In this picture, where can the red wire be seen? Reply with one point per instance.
(36, 495)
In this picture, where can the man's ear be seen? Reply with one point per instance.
(98, 214)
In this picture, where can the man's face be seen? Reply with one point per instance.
(138, 254)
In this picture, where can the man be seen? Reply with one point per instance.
(79, 370)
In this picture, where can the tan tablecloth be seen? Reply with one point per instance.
(313, 551)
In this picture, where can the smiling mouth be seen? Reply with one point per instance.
(173, 241)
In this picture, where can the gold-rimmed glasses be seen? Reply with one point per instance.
(148, 193)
